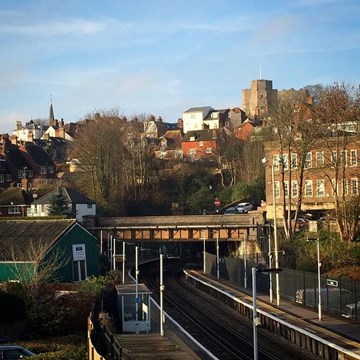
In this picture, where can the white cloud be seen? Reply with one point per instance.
(68, 27)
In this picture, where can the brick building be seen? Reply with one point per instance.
(327, 171)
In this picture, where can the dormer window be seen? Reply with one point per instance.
(42, 170)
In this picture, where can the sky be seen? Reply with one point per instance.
(163, 57)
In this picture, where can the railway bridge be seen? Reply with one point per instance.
(180, 228)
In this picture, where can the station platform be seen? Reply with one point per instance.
(339, 330)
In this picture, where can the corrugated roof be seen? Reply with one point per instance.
(16, 236)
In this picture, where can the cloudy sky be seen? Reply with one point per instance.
(162, 57)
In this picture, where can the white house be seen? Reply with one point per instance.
(193, 118)
(78, 204)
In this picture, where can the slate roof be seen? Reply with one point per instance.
(202, 135)
(204, 109)
(38, 154)
(16, 236)
(72, 197)
(17, 158)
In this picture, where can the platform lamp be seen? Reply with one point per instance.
(319, 273)
(256, 319)
(276, 247)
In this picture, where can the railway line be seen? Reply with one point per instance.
(222, 330)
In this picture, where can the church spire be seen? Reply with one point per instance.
(51, 113)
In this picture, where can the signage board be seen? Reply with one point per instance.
(79, 252)
(332, 282)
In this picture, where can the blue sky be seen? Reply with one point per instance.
(162, 57)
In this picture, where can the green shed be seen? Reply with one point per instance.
(60, 250)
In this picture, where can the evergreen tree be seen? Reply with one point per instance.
(58, 203)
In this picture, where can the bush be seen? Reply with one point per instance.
(59, 348)
(12, 308)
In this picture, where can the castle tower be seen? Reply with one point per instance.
(257, 101)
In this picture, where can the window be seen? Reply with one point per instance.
(276, 162)
(294, 161)
(201, 143)
(285, 161)
(345, 187)
(308, 160)
(8, 177)
(1, 178)
(277, 189)
(208, 150)
(320, 188)
(31, 173)
(42, 170)
(308, 188)
(294, 188)
(286, 188)
(353, 157)
(354, 186)
(14, 210)
(333, 158)
(344, 157)
(21, 174)
(319, 159)
(89, 206)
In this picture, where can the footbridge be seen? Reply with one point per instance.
(179, 228)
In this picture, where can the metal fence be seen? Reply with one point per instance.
(340, 296)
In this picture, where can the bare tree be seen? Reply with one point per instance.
(35, 266)
(290, 133)
(338, 117)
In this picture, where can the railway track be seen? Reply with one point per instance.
(223, 331)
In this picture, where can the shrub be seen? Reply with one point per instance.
(12, 308)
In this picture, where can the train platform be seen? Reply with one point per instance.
(336, 329)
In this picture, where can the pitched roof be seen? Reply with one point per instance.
(15, 196)
(204, 109)
(71, 195)
(17, 236)
(38, 154)
(202, 135)
(17, 158)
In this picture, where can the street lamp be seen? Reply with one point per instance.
(162, 288)
(319, 274)
(217, 255)
(265, 161)
(256, 319)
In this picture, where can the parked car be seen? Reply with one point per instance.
(244, 208)
(14, 352)
(231, 211)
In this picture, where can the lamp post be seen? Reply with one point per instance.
(256, 319)
(318, 275)
(265, 161)
(162, 288)
(204, 253)
(136, 290)
(217, 256)
(245, 264)
(123, 262)
(270, 275)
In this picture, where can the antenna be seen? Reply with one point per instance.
(51, 99)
